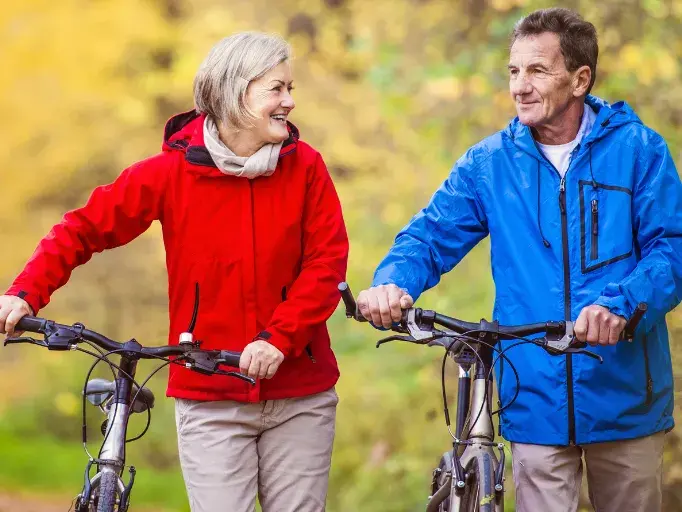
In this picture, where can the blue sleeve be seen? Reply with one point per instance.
(438, 237)
(657, 224)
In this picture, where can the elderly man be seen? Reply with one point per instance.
(584, 210)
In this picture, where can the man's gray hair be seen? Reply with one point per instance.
(221, 82)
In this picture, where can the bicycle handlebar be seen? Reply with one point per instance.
(63, 337)
(461, 327)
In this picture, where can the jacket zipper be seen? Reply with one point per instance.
(567, 307)
(649, 380)
(594, 250)
(499, 397)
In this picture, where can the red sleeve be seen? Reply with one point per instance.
(313, 295)
(114, 215)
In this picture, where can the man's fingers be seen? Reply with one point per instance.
(617, 325)
(394, 296)
(580, 326)
(406, 301)
(363, 304)
(374, 310)
(593, 327)
(384, 310)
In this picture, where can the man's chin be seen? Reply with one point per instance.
(526, 120)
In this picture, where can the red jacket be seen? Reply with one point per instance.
(267, 253)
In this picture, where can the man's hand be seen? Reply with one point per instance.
(598, 326)
(260, 360)
(383, 305)
(12, 309)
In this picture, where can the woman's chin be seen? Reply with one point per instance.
(277, 135)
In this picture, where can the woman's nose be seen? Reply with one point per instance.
(288, 101)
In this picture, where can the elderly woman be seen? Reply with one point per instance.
(250, 213)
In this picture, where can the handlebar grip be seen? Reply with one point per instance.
(230, 358)
(633, 321)
(349, 301)
(31, 324)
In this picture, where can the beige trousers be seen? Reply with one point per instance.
(622, 476)
(280, 449)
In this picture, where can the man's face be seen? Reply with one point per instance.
(539, 82)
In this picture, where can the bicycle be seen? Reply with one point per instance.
(470, 477)
(105, 491)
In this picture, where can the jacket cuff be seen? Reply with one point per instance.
(31, 298)
(277, 340)
(618, 305)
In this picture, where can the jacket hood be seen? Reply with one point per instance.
(609, 118)
(185, 132)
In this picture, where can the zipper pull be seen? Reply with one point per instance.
(595, 217)
(562, 198)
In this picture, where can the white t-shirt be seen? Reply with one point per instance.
(560, 154)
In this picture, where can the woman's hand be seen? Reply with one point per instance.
(12, 309)
(260, 360)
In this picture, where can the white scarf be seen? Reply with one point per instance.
(262, 163)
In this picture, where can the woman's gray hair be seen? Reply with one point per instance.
(221, 82)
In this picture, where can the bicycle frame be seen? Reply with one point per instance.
(112, 453)
(475, 403)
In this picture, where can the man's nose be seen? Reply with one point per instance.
(520, 85)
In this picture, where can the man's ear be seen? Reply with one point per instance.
(581, 81)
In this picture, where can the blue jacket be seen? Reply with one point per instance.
(618, 243)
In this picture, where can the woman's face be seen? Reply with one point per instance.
(269, 97)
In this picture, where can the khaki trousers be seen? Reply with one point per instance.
(280, 449)
(622, 476)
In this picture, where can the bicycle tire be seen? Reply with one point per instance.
(108, 489)
(479, 494)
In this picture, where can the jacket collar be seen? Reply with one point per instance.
(609, 117)
(184, 132)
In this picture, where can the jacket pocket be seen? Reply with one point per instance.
(605, 225)
(309, 351)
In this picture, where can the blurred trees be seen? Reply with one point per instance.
(391, 92)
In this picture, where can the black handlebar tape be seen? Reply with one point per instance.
(231, 358)
(633, 321)
(31, 324)
(349, 301)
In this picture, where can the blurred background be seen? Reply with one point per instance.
(390, 91)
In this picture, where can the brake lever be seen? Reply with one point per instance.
(237, 375)
(396, 337)
(24, 339)
(567, 344)
(576, 350)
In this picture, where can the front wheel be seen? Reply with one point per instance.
(479, 493)
(107, 492)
